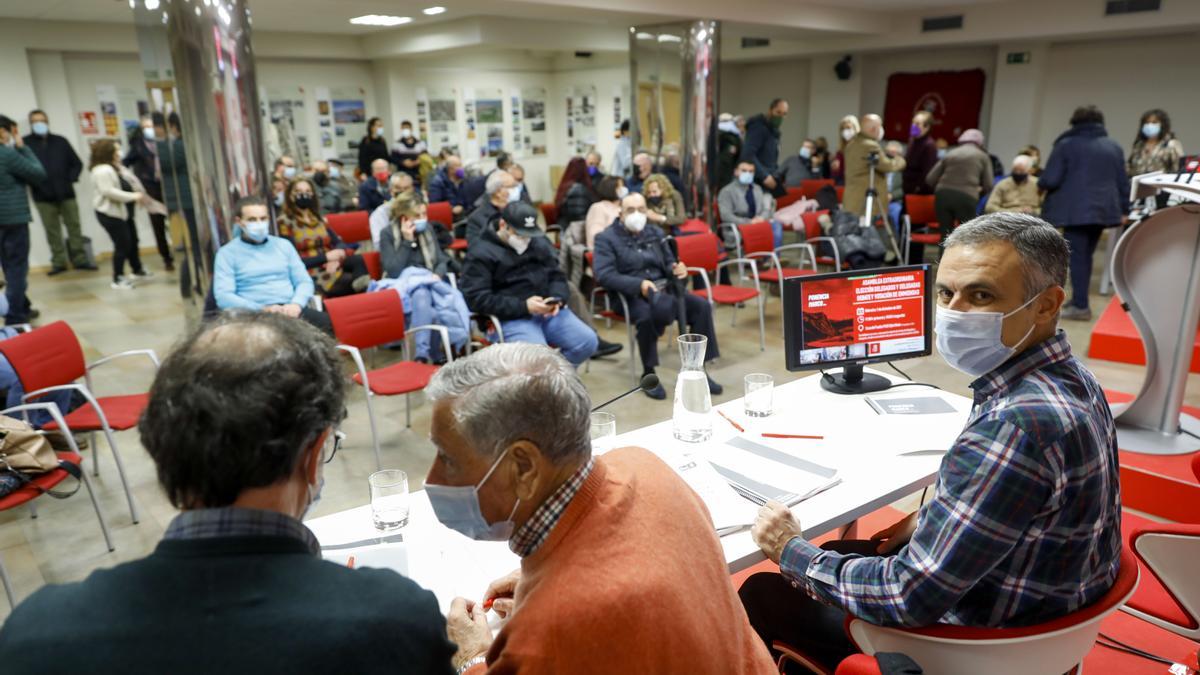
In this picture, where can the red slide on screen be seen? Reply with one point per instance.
(869, 309)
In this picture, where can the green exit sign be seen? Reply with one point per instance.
(1019, 57)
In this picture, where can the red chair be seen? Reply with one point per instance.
(1170, 596)
(442, 212)
(352, 226)
(1056, 646)
(794, 194)
(50, 359)
(374, 264)
(46, 481)
(810, 188)
(756, 240)
(549, 212)
(694, 226)
(841, 193)
(372, 319)
(919, 209)
(699, 253)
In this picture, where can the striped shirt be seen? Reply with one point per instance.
(1025, 523)
(232, 521)
(535, 530)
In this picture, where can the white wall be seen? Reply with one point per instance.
(301, 79)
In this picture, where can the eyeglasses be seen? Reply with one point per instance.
(335, 439)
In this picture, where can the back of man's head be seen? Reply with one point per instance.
(1043, 250)
(237, 403)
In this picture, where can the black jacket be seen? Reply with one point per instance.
(624, 260)
(398, 257)
(62, 167)
(229, 605)
(575, 204)
(1085, 179)
(483, 218)
(369, 150)
(761, 147)
(142, 162)
(495, 280)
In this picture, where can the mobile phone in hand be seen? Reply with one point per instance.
(552, 300)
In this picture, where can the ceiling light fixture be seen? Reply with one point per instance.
(380, 20)
(669, 38)
(432, 11)
(645, 36)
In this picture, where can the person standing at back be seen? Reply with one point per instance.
(761, 147)
(242, 417)
(407, 150)
(959, 179)
(1155, 149)
(18, 168)
(921, 155)
(1087, 190)
(142, 159)
(858, 167)
(112, 195)
(372, 147)
(54, 197)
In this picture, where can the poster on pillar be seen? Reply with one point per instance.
(954, 98)
(489, 117)
(289, 117)
(422, 100)
(443, 121)
(470, 151)
(514, 97)
(581, 119)
(533, 120)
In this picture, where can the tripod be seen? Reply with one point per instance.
(873, 201)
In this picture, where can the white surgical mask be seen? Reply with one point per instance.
(40, 128)
(335, 172)
(405, 133)
(514, 193)
(622, 191)
(256, 230)
(746, 177)
(635, 222)
(457, 507)
(971, 341)
(148, 133)
(1151, 129)
(879, 134)
(847, 134)
(289, 172)
(805, 153)
(518, 243)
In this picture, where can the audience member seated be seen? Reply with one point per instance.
(260, 272)
(600, 588)
(1024, 525)
(500, 190)
(671, 167)
(285, 168)
(372, 147)
(335, 271)
(799, 167)
(407, 151)
(518, 174)
(400, 183)
(959, 179)
(241, 418)
(604, 210)
(643, 166)
(743, 201)
(374, 191)
(278, 191)
(633, 259)
(446, 186)
(576, 192)
(1016, 192)
(417, 267)
(593, 166)
(346, 184)
(921, 156)
(329, 193)
(664, 204)
(512, 272)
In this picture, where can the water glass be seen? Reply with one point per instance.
(389, 499)
(759, 391)
(603, 427)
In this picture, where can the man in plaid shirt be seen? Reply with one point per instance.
(1024, 524)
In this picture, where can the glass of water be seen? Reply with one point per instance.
(603, 429)
(389, 499)
(759, 391)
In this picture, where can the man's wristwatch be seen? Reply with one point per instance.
(471, 664)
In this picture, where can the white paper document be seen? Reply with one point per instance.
(728, 510)
(382, 556)
(760, 473)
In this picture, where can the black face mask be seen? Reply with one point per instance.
(320, 178)
(1020, 177)
(305, 202)
(654, 200)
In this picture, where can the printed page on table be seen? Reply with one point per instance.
(759, 472)
(728, 510)
(382, 556)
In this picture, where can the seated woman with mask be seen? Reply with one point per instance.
(418, 269)
(260, 272)
(664, 204)
(334, 269)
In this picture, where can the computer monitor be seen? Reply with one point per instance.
(850, 319)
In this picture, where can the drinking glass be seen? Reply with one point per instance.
(603, 428)
(389, 499)
(759, 390)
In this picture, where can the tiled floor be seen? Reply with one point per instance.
(64, 542)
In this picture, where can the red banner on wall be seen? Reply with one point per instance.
(955, 99)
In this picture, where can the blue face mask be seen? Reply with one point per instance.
(256, 230)
(335, 172)
(457, 507)
(420, 225)
(971, 341)
(746, 178)
(40, 128)
(592, 171)
(805, 153)
(1151, 129)
(289, 172)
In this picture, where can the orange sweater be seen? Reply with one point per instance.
(632, 579)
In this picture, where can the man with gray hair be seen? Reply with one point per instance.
(600, 538)
(1016, 192)
(500, 190)
(1025, 523)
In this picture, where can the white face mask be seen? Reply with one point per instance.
(971, 341)
(847, 134)
(879, 134)
(405, 133)
(518, 243)
(256, 230)
(622, 191)
(635, 222)
(514, 193)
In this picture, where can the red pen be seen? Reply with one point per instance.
(487, 604)
(735, 424)
(815, 438)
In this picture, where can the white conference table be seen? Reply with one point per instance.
(879, 458)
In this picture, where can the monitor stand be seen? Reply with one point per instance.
(852, 380)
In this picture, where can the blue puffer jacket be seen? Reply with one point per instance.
(1085, 179)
